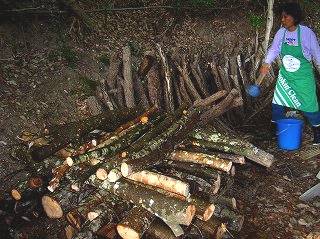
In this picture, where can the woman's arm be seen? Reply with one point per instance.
(274, 51)
(315, 49)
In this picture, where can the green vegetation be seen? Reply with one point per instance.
(256, 21)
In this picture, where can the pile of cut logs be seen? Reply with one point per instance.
(150, 165)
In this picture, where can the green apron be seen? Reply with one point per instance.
(296, 87)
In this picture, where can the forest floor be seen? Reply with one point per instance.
(47, 71)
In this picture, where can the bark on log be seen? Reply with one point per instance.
(210, 138)
(146, 64)
(169, 209)
(154, 87)
(204, 209)
(184, 94)
(159, 230)
(120, 92)
(175, 133)
(113, 71)
(161, 181)
(197, 73)
(72, 131)
(220, 108)
(216, 76)
(100, 208)
(196, 184)
(208, 229)
(135, 223)
(201, 158)
(127, 75)
(183, 69)
(168, 81)
(141, 94)
(234, 220)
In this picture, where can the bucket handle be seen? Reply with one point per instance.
(282, 131)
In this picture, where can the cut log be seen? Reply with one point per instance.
(201, 158)
(113, 71)
(175, 133)
(96, 210)
(226, 202)
(169, 209)
(210, 138)
(146, 64)
(159, 230)
(184, 94)
(196, 184)
(120, 92)
(216, 76)
(234, 221)
(72, 131)
(141, 94)
(135, 223)
(183, 69)
(197, 73)
(30, 183)
(127, 75)
(204, 209)
(168, 81)
(208, 229)
(220, 108)
(161, 181)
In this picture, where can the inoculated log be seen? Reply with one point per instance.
(113, 70)
(196, 184)
(201, 158)
(127, 75)
(159, 230)
(120, 92)
(226, 202)
(135, 223)
(169, 209)
(184, 94)
(174, 134)
(161, 181)
(208, 229)
(183, 69)
(197, 73)
(141, 94)
(71, 132)
(146, 64)
(168, 81)
(98, 209)
(210, 138)
(31, 183)
(204, 208)
(234, 221)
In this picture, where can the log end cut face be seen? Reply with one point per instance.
(208, 212)
(127, 232)
(51, 207)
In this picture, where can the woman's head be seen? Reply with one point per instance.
(291, 14)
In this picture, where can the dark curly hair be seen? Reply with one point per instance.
(294, 10)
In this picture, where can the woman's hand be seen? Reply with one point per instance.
(264, 69)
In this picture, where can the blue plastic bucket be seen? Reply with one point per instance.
(289, 132)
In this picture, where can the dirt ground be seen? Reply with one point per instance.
(46, 72)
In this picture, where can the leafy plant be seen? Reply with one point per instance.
(256, 21)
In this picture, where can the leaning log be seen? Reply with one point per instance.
(71, 132)
(210, 138)
(127, 75)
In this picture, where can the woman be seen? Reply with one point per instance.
(298, 46)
